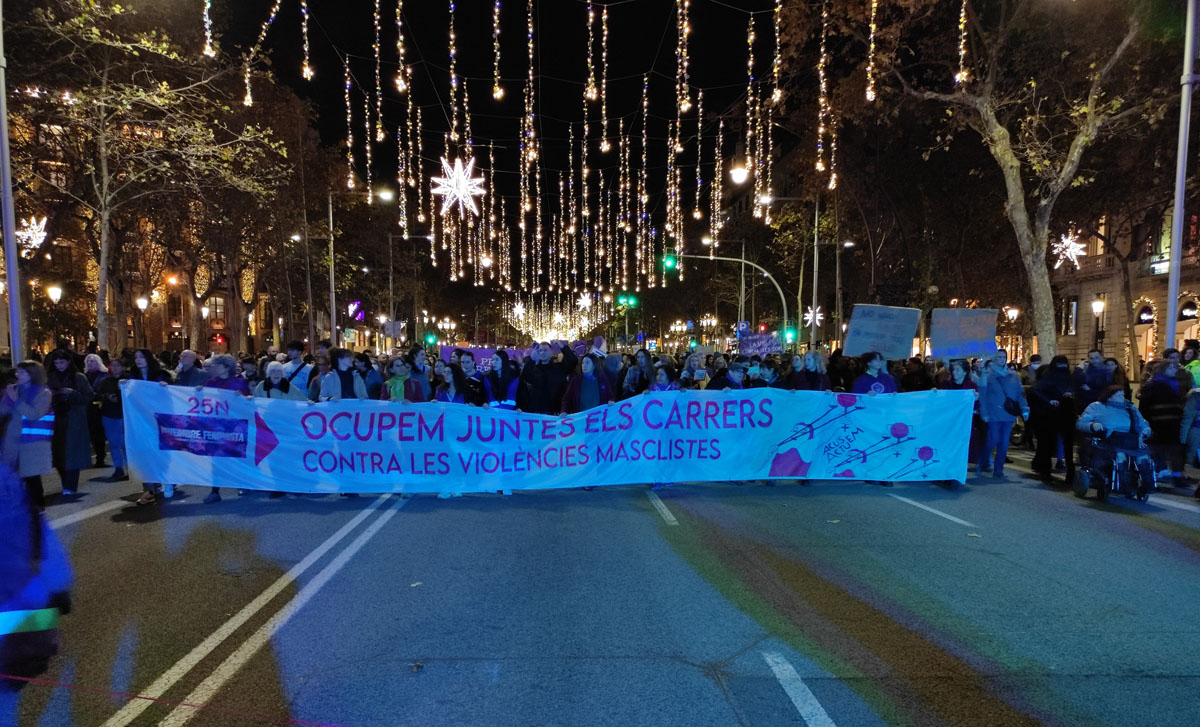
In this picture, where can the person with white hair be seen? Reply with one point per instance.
(277, 386)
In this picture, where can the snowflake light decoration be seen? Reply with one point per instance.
(584, 302)
(814, 316)
(519, 311)
(31, 235)
(458, 186)
(1068, 248)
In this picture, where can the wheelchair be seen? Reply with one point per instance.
(1110, 467)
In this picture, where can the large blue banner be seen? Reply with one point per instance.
(212, 437)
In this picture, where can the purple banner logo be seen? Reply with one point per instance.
(209, 436)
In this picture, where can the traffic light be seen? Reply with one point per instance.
(632, 302)
(789, 335)
(692, 344)
(430, 339)
(669, 261)
(622, 299)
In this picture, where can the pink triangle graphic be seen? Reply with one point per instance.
(264, 440)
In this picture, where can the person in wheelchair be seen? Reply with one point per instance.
(1119, 430)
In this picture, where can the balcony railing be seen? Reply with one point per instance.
(1089, 266)
(1159, 263)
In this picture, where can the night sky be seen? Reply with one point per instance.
(641, 40)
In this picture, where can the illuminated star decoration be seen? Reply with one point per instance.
(814, 316)
(584, 302)
(31, 234)
(457, 185)
(1068, 248)
(519, 310)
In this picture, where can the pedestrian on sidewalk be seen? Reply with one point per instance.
(1189, 430)
(1001, 401)
(1161, 403)
(27, 450)
(71, 396)
(112, 418)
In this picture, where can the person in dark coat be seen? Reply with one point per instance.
(1161, 403)
(501, 381)
(71, 395)
(587, 389)
(809, 374)
(958, 378)
(543, 380)
(916, 377)
(112, 418)
(1052, 409)
(95, 371)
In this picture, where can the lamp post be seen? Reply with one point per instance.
(1188, 79)
(382, 320)
(706, 240)
(743, 261)
(143, 303)
(1098, 309)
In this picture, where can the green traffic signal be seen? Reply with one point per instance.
(622, 300)
(632, 301)
(789, 335)
(692, 343)
(669, 261)
(430, 339)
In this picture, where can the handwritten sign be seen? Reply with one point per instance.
(883, 328)
(760, 344)
(963, 332)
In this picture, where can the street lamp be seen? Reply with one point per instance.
(143, 303)
(1098, 309)
(767, 275)
(55, 293)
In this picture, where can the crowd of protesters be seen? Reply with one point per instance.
(71, 413)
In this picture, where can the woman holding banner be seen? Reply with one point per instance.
(224, 376)
(500, 382)
(587, 389)
(400, 385)
(959, 379)
(809, 373)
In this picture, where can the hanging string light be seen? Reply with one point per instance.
(604, 145)
(751, 97)
(379, 135)
(871, 53)
(402, 176)
(367, 144)
(626, 187)
(696, 213)
(777, 62)
(833, 141)
(714, 207)
(683, 28)
(262, 35)
(590, 91)
(306, 70)
(962, 76)
(823, 88)
(643, 231)
(412, 165)
(528, 148)
(349, 123)
(497, 89)
(423, 198)
(209, 50)
(453, 80)
(402, 70)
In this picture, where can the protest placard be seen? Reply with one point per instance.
(759, 344)
(883, 328)
(963, 332)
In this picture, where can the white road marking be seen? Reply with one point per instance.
(244, 653)
(927, 508)
(135, 707)
(65, 520)
(662, 508)
(1165, 500)
(811, 711)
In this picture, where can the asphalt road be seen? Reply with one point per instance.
(1001, 602)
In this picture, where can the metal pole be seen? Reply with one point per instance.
(1185, 113)
(744, 262)
(10, 225)
(312, 330)
(837, 258)
(332, 291)
(742, 289)
(812, 328)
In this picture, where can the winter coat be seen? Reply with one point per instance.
(542, 385)
(401, 389)
(195, 376)
(806, 380)
(1161, 403)
(499, 395)
(264, 390)
(108, 396)
(885, 383)
(1189, 425)
(993, 393)
(1113, 417)
(331, 387)
(571, 399)
(28, 458)
(72, 444)
(374, 382)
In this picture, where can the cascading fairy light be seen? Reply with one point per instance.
(604, 145)
(367, 144)
(766, 167)
(537, 227)
(402, 71)
(833, 141)
(714, 209)
(401, 178)
(528, 151)
(761, 131)
(497, 89)
(490, 248)
(379, 135)
(777, 61)
(626, 223)
(470, 232)
(590, 91)
(683, 28)
(751, 97)
(561, 235)
(453, 82)
(823, 88)
(306, 70)
(644, 256)
(262, 35)
(410, 162)
(871, 53)
(424, 202)
(962, 76)
(696, 213)
(209, 49)
(349, 123)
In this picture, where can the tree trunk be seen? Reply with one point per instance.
(1042, 299)
(106, 334)
(1130, 315)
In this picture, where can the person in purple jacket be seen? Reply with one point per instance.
(875, 379)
